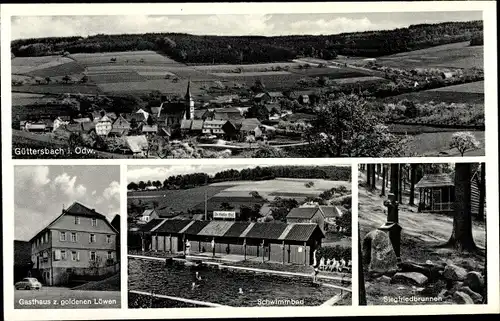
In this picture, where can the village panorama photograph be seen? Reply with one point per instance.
(239, 236)
(422, 234)
(66, 237)
(394, 84)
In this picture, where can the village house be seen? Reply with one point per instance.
(38, 127)
(80, 241)
(149, 129)
(120, 125)
(306, 214)
(103, 125)
(227, 114)
(250, 126)
(262, 97)
(59, 122)
(148, 215)
(138, 145)
(214, 127)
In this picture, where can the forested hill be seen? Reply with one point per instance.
(256, 49)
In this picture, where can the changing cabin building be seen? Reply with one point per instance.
(270, 242)
(78, 242)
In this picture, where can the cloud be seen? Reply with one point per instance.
(37, 175)
(215, 24)
(67, 185)
(112, 191)
(94, 192)
(136, 174)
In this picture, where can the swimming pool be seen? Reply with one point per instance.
(222, 286)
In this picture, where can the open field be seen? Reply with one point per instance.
(455, 55)
(22, 99)
(250, 73)
(58, 89)
(123, 57)
(24, 65)
(438, 144)
(472, 87)
(471, 93)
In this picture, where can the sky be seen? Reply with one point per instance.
(228, 24)
(41, 192)
(146, 173)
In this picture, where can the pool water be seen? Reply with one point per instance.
(222, 286)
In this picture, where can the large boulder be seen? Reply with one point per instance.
(476, 297)
(413, 278)
(462, 298)
(379, 253)
(384, 279)
(454, 272)
(475, 281)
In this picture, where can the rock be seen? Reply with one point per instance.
(413, 278)
(475, 281)
(454, 272)
(455, 285)
(443, 294)
(384, 279)
(476, 297)
(462, 298)
(401, 287)
(379, 252)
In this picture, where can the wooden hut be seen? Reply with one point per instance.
(437, 193)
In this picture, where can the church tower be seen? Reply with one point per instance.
(189, 101)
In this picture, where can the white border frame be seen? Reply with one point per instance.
(491, 159)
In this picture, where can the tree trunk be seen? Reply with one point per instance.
(413, 174)
(395, 179)
(482, 192)
(400, 190)
(373, 179)
(384, 173)
(368, 174)
(461, 236)
(361, 277)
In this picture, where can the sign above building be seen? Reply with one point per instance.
(225, 214)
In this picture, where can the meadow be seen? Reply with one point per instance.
(455, 55)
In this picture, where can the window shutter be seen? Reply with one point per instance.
(57, 255)
(78, 256)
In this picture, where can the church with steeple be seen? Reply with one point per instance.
(170, 114)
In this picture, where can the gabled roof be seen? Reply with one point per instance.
(74, 128)
(148, 212)
(275, 94)
(88, 126)
(172, 226)
(249, 124)
(150, 225)
(302, 212)
(330, 211)
(271, 230)
(150, 128)
(214, 122)
(236, 229)
(173, 107)
(302, 232)
(137, 143)
(436, 180)
(186, 124)
(199, 113)
(196, 227)
(215, 228)
(77, 209)
(115, 222)
(121, 121)
(197, 124)
(81, 120)
(156, 111)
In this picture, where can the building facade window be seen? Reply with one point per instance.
(110, 255)
(92, 256)
(73, 255)
(92, 238)
(62, 236)
(73, 237)
(94, 222)
(63, 255)
(77, 220)
(108, 239)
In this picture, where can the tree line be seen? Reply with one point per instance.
(258, 49)
(252, 174)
